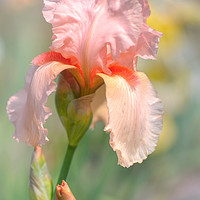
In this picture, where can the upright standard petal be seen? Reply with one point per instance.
(135, 116)
(145, 8)
(146, 48)
(83, 28)
(26, 109)
(147, 45)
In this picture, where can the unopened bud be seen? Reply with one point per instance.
(63, 192)
(40, 187)
(74, 111)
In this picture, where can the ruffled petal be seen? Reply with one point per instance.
(149, 38)
(147, 45)
(82, 28)
(135, 117)
(146, 48)
(145, 8)
(26, 109)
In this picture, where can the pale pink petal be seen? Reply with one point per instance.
(26, 109)
(149, 38)
(146, 48)
(99, 107)
(128, 59)
(145, 8)
(135, 117)
(147, 45)
(83, 28)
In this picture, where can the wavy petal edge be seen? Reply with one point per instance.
(135, 117)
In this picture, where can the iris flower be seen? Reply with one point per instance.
(95, 48)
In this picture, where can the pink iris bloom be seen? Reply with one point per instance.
(98, 42)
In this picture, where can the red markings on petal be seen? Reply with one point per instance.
(53, 56)
(57, 57)
(124, 72)
(50, 57)
(115, 69)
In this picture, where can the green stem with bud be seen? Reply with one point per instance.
(66, 163)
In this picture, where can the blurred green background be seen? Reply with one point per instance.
(172, 172)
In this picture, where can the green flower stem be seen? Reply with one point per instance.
(66, 163)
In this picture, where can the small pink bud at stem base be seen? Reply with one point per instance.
(63, 192)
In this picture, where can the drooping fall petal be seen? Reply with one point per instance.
(26, 109)
(83, 28)
(135, 117)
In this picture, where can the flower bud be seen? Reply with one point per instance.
(40, 187)
(63, 192)
(74, 111)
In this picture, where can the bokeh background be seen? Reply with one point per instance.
(172, 172)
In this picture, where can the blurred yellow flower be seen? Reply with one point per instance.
(169, 26)
(171, 22)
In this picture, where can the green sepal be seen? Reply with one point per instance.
(74, 111)
(41, 186)
(78, 120)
